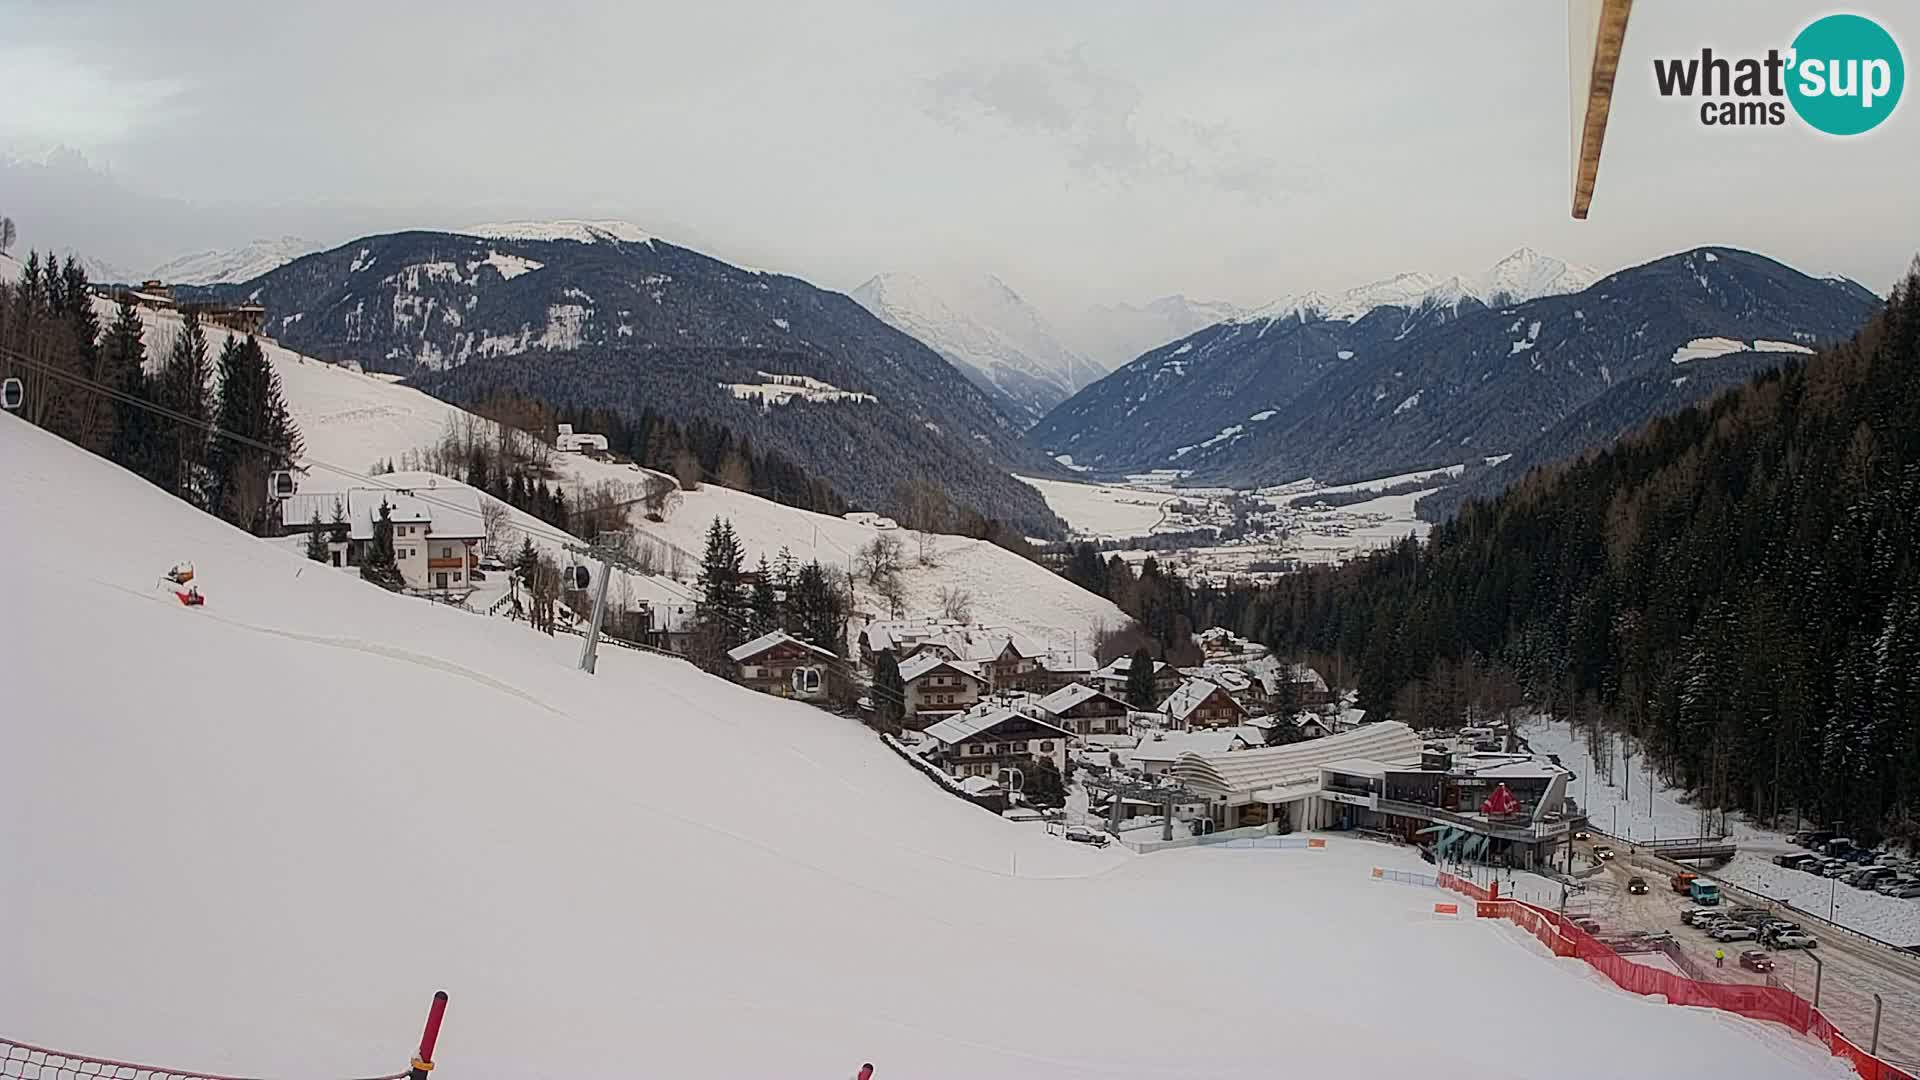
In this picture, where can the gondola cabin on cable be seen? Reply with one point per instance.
(780, 664)
(12, 394)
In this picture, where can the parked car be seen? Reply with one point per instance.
(1755, 960)
(1891, 884)
(1080, 834)
(1588, 923)
(1602, 852)
(1867, 877)
(1794, 862)
(1688, 915)
(1735, 932)
(1711, 923)
(1833, 868)
(1637, 886)
(1907, 892)
(1794, 939)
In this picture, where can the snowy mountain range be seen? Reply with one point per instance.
(1524, 275)
(233, 265)
(1412, 373)
(603, 314)
(988, 331)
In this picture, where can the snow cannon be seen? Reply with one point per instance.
(191, 596)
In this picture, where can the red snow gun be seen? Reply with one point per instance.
(191, 597)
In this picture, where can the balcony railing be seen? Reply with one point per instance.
(1510, 830)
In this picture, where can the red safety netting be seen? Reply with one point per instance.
(1774, 1003)
(23, 1061)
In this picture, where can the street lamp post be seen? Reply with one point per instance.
(1818, 969)
(1832, 896)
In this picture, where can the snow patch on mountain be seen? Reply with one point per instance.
(1709, 347)
(579, 232)
(988, 331)
(1524, 275)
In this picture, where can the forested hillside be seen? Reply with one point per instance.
(1738, 584)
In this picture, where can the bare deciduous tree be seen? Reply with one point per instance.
(501, 539)
(880, 560)
(7, 233)
(956, 604)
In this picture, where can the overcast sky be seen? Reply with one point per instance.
(1086, 152)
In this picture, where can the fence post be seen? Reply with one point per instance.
(1877, 1004)
(423, 1062)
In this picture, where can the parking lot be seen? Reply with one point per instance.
(1854, 969)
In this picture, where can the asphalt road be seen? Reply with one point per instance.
(1853, 970)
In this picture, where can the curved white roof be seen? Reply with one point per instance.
(1245, 771)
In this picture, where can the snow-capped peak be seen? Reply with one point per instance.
(580, 232)
(1524, 275)
(983, 325)
(238, 264)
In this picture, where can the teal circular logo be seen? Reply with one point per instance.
(1847, 74)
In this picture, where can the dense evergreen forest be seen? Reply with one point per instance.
(1738, 585)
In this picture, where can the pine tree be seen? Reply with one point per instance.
(1043, 786)
(181, 447)
(889, 692)
(763, 613)
(1140, 679)
(338, 530)
(379, 566)
(317, 540)
(723, 604)
(252, 408)
(527, 562)
(124, 358)
(817, 608)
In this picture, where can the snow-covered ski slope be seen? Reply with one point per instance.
(351, 420)
(253, 837)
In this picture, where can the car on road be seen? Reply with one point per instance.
(1734, 932)
(1581, 834)
(1794, 939)
(1755, 960)
(1637, 886)
(1602, 851)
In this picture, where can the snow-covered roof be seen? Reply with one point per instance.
(1122, 665)
(1360, 766)
(1284, 766)
(1190, 696)
(1231, 679)
(1172, 745)
(924, 662)
(978, 720)
(740, 654)
(1521, 770)
(979, 785)
(1073, 694)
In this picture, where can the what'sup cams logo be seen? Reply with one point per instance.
(1842, 75)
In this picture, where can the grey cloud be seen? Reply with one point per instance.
(1105, 125)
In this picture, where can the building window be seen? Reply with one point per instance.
(446, 552)
(1046, 748)
(977, 748)
(1019, 748)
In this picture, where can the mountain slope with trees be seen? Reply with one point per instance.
(1327, 390)
(598, 315)
(1736, 584)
